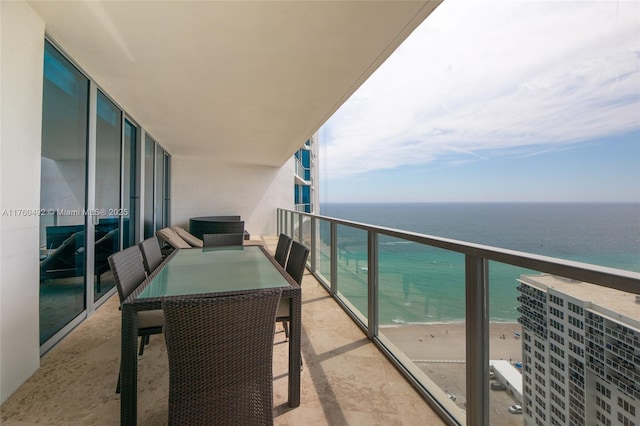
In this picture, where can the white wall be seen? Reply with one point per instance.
(21, 56)
(201, 187)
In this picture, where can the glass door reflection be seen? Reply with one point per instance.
(63, 188)
(149, 156)
(107, 190)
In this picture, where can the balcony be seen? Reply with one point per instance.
(358, 368)
(345, 379)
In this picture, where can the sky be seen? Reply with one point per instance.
(496, 101)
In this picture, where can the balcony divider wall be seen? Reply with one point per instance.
(337, 245)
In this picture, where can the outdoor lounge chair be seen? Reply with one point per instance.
(170, 236)
(192, 240)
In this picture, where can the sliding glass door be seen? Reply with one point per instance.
(162, 188)
(108, 212)
(63, 188)
(90, 194)
(156, 187)
(149, 161)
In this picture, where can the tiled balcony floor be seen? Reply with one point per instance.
(345, 379)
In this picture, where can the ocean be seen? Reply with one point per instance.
(424, 285)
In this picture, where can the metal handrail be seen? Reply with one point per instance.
(618, 279)
(477, 257)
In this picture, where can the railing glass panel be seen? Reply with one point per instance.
(505, 345)
(419, 284)
(422, 314)
(295, 224)
(352, 269)
(323, 252)
(305, 234)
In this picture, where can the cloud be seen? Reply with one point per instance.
(481, 77)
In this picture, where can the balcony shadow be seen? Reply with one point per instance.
(328, 399)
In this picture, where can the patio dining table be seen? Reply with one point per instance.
(206, 272)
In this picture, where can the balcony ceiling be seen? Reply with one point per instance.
(236, 81)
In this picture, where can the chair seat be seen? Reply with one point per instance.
(148, 319)
(283, 308)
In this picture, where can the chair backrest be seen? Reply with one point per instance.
(128, 270)
(151, 254)
(221, 240)
(282, 249)
(211, 379)
(297, 261)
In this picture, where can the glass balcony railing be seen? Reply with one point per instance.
(475, 328)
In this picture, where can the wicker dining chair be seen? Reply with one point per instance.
(220, 359)
(297, 261)
(282, 249)
(151, 254)
(221, 240)
(296, 264)
(128, 273)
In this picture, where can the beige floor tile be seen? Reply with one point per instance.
(345, 379)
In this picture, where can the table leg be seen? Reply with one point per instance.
(295, 359)
(129, 367)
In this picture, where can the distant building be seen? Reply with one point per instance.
(581, 353)
(306, 176)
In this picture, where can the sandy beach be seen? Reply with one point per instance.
(439, 350)
(447, 341)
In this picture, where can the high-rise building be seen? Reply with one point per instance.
(306, 176)
(581, 352)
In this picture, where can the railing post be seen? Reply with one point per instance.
(314, 241)
(300, 226)
(285, 216)
(477, 340)
(372, 277)
(334, 258)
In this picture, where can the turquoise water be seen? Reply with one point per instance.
(421, 284)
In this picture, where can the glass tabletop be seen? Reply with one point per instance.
(215, 270)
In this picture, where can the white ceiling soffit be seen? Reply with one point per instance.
(234, 81)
